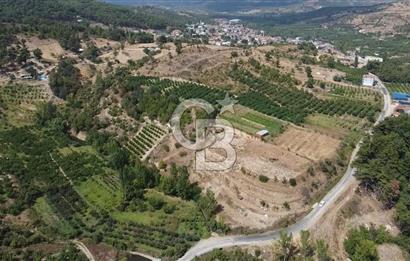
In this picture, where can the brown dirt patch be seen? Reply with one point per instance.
(191, 63)
(307, 143)
(391, 252)
(248, 202)
(245, 200)
(51, 48)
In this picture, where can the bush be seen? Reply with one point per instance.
(292, 182)
(263, 179)
(156, 202)
(337, 78)
(162, 165)
(169, 209)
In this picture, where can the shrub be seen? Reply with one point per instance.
(169, 209)
(263, 179)
(156, 202)
(162, 165)
(292, 182)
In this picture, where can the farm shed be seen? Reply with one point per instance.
(262, 133)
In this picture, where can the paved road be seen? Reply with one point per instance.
(205, 246)
(84, 249)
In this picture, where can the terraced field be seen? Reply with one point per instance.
(251, 122)
(22, 94)
(354, 92)
(145, 141)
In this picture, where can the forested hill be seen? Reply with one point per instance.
(384, 167)
(25, 11)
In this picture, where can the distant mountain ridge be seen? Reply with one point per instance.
(245, 5)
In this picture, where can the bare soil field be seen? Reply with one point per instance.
(308, 144)
(193, 61)
(391, 252)
(51, 48)
(130, 52)
(292, 66)
(246, 201)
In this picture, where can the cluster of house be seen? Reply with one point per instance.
(32, 70)
(227, 33)
(231, 33)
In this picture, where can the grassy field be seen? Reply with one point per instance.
(338, 126)
(49, 216)
(251, 122)
(181, 219)
(86, 149)
(353, 92)
(16, 116)
(99, 194)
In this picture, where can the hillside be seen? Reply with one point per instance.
(69, 11)
(248, 6)
(392, 19)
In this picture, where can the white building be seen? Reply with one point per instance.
(368, 80)
(373, 59)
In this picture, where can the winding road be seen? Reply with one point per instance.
(207, 245)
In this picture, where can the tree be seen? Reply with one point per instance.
(45, 113)
(322, 250)
(366, 250)
(23, 55)
(331, 63)
(38, 53)
(65, 79)
(309, 72)
(120, 158)
(361, 243)
(208, 204)
(178, 46)
(310, 83)
(162, 39)
(356, 61)
(306, 248)
(284, 249)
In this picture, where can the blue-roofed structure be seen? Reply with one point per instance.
(401, 97)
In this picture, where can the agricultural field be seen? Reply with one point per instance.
(145, 141)
(352, 92)
(309, 144)
(336, 126)
(398, 87)
(96, 199)
(251, 122)
(294, 105)
(22, 94)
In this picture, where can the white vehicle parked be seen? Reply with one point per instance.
(322, 203)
